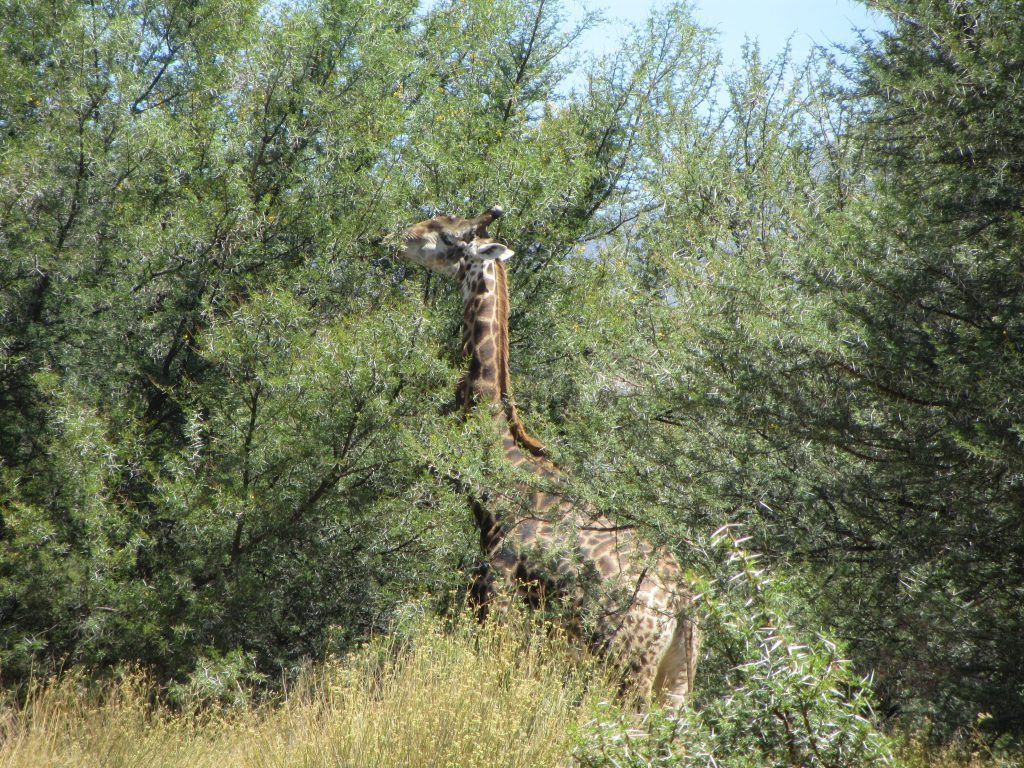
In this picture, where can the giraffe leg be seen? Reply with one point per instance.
(674, 680)
(491, 591)
(481, 590)
(637, 681)
(636, 650)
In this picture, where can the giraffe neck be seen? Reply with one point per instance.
(485, 343)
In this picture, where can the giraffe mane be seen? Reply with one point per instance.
(515, 423)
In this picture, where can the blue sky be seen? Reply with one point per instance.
(771, 22)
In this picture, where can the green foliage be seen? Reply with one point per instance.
(218, 680)
(824, 336)
(936, 304)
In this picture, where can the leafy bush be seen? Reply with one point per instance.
(769, 693)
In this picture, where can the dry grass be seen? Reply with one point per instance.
(448, 698)
(452, 698)
(970, 752)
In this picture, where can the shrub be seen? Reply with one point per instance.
(769, 693)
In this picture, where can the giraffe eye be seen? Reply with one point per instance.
(449, 239)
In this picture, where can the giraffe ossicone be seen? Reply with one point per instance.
(622, 596)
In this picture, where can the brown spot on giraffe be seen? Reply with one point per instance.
(622, 596)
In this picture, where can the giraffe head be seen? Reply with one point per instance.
(443, 243)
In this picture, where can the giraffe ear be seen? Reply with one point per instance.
(495, 251)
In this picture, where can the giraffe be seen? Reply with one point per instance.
(628, 601)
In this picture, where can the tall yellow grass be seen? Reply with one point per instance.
(447, 697)
(492, 696)
(972, 750)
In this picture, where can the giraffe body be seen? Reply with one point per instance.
(621, 597)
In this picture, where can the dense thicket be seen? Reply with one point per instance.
(848, 376)
(936, 303)
(752, 298)
(220, 397)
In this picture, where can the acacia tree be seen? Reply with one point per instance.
(831, 296)
(935, 302)
(218, 393)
